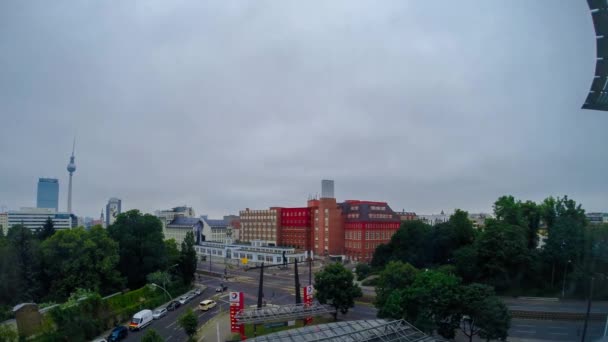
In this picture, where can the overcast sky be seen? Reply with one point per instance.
(223, 105)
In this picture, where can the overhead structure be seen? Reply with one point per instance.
(353, 331)
(280, 313)
(598, 95)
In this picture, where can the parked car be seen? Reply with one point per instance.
(207, 304)
(118, 333)
(183, 300)
(197, 291)
(159, 313)
(221, 288)
(173, 305)
(140, 320)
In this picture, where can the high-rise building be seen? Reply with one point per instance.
(113, 209)
(34, 218)
(71, 168)
(48, 193)
(327, 188)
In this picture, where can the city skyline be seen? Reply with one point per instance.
(391, 106)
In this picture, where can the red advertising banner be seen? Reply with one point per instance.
(237, 303)
(308, 296)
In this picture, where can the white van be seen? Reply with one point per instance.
(140, 320)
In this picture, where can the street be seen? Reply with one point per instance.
(279, 289)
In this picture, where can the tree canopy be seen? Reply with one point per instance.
(140, 244)
(334, 285)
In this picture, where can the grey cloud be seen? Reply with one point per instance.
(225, 105)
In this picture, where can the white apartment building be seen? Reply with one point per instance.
(180, 226)
(34, 218)
(166, 216)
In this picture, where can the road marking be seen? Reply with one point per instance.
(558, 333)
(168, 338)
(201, 315)
(169, 326)
(525, 331)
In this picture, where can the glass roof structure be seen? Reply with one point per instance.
(598, 95)
(280, 313)
(352, 331)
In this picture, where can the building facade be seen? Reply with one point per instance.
(219, 231)
(166, 216)
(434, 219)
(407, 215)
(248, 255)
(367, 225)
(113, 209)
(34, 218)
(296, 228)
(260, 225)
(48, 193)
(4, 222)
(597, 218)
(180, 226)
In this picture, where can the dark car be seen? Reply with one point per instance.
(118, 334)
(221, 288)
(173, 305)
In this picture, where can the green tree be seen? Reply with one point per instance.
(494, 320)
(188, 322)
(173, 254)
(334, 285)
(473, 298)
(76, 258)
(502, 254)
(362, 271)
(531, 213)
(140, 244)
(393, 279)
(152, 336)
(465, 260)
(24, 250)
(188, 259)
(433, 303)
(508, 210)
(382, 255)
(48, 229)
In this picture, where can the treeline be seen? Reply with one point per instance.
(505, 254)
(47, 266)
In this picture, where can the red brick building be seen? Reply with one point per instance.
(366, 225)
(296, 225)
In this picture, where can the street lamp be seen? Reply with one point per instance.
(160, 287)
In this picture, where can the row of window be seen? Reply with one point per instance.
(380, 216)
(297, 213)
(375, 207)
(352, 215)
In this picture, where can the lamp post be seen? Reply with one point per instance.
(168, 294)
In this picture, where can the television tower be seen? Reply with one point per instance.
(71, 169)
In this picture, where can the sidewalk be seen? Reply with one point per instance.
(216, 329)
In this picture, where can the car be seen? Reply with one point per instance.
(184, 299)
(221, 288)
(118, 333)
(207, 304)
(140, 320)
(197, 291)
(159, 313)
(173, 305)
